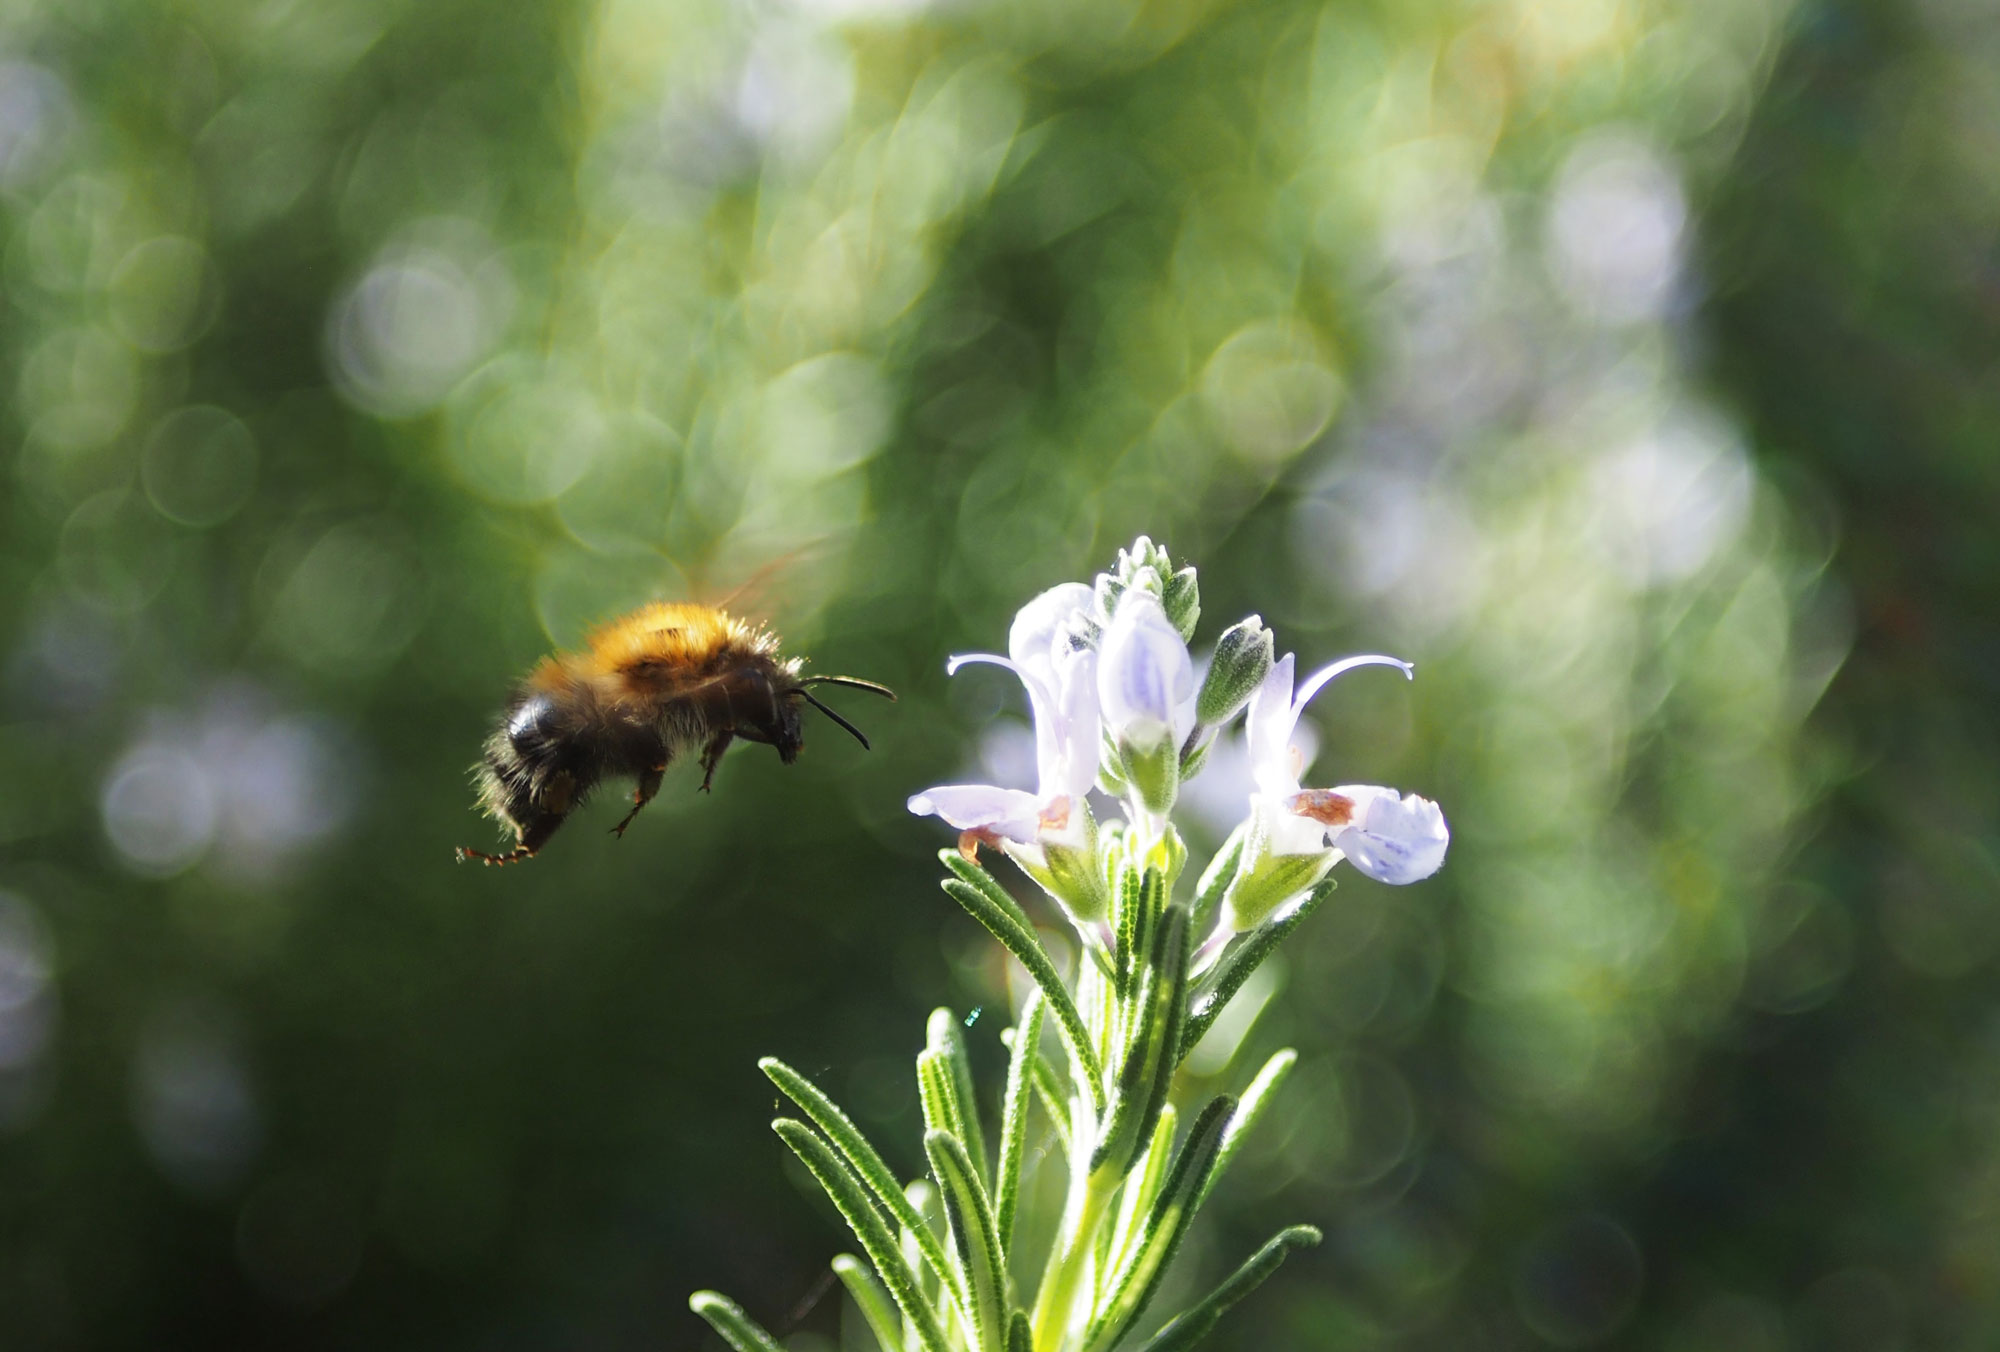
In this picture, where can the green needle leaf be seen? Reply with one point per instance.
(975, 1241)
(1258, 945)
(1189, 1328)
(1143, 1079)
(1142, 1185)
(1023, 944)
(1215, 879)
(1014, 1115)
(976, 875)
(946, 1036)
(860, 1156)
(1248, 1109)
(1139, 1276)
(872, 1300)
(738, 1329)
(1048, 1088)
(937, 1093)
(1126, 926)
(852, 1200)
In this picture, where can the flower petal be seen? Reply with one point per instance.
(1068, 763)
(1042, 626)
(1010, 813)
(1285, 831)
(1392, 838)
(1145, 677)
(1268, 729)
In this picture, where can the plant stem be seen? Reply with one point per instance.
(1075, 1246)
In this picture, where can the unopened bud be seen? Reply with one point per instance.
(1243, 658)
(1182, 599)
(1144, 566)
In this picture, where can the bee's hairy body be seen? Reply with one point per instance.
(648, 689)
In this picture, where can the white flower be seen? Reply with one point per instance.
(1145, 678)
(1060, 675)
(1389, 837)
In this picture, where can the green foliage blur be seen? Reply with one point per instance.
(1628, 365)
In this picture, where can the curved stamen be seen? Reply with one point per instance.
(1317, 681)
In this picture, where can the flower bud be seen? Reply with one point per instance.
(1182, 599)
(1243, 658)
(1143, 567)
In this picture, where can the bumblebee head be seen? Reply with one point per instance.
(767, 710)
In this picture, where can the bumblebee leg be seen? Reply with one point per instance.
(711, 756)
(513, 856)
(649, 784)
(533, 836)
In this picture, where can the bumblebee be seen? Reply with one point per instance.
(648, 688)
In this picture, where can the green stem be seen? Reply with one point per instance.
(1089, 1195)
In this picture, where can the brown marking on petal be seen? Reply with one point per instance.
(1322, 805)
(1055, 816)
(970, 841)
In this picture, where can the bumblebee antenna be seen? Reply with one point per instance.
(852, 682)
(806, 695)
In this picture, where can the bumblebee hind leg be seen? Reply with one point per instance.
(649, 784)
(533, 836)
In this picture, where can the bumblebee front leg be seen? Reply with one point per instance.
(649, 784)
(711, 756)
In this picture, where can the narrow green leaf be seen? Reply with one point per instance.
(936, 1282)
(1023, 944)
(1133, 1285)
(852, 1200)
(1142, 1185)
(969, 1220)
(1258, 945)
(972, 872)
(1248, 1109)
(1215, 880)
(1147, 1072)
(937, 1093)
(1190, 1327)
(883, 1320)
(946, 1035)
(860, 1155)
(1014, 1115)
(1048, 1088)
(738, 1329)
(1020, 1333)
(1125, 924)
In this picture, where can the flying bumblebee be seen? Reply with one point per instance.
(649, 687)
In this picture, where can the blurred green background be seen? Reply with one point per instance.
(1629, 365)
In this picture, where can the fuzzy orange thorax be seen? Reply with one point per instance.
(677, 636)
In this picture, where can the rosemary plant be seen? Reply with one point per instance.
(1096, 1048)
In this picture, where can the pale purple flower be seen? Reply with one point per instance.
(1389, 837)
(1145, 677)
(1060, 675)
